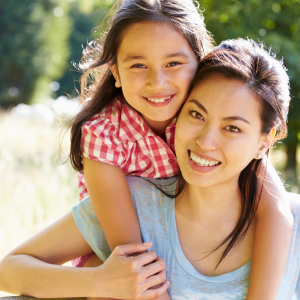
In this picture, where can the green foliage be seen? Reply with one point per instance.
(33, 49)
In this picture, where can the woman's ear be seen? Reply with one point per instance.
(266, 142)
(115, 73)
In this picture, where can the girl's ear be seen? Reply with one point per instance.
(115, 73)
(266, 142)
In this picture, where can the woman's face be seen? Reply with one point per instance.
(218, 132)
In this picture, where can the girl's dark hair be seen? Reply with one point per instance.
(250, 63)
(97, 82)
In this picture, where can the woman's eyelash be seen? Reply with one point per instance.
(232, 128)
(196, 114)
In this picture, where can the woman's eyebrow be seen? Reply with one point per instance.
(199, 105)
(236, 118)
(231, 118)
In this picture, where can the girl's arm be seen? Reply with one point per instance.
(33, 268)
(272, 239)
(111, 199)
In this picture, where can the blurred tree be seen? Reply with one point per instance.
(33, 49)
(85, 15)
(277, 24)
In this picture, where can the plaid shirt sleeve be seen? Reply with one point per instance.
(100, 142)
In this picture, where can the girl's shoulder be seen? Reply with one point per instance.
(119, 117)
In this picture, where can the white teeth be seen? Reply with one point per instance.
(157, 100)
(202, 162)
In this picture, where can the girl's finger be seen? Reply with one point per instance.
(145, 258)
(127, 250)
(157, 266)
(156, 279)
(150, 294)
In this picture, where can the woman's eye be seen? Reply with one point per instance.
(173, 63)
(139, 66)
(232, 128)
(196, 114)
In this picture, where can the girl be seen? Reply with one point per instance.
(150, 55)
(236, 108)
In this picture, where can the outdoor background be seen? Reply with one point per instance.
(42, 40)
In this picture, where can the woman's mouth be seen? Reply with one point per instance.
(203, 162)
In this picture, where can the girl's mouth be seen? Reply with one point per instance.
(159, 101)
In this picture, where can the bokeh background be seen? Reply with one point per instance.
(41, 41)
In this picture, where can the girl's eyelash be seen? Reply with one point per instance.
(196, 114)
(232, 128)
(139, 66)
(173, 63)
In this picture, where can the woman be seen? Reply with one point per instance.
(236, 109)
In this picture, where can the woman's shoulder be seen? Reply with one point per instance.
(294, 200)
(151, 191)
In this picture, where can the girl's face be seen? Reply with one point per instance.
(155, 66)
(218, 132)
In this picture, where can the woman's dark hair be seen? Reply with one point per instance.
(97, 82)
(266, 77)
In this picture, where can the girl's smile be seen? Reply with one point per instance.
(155, 65)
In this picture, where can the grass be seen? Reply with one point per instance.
(34, 189)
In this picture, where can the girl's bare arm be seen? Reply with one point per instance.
(111, 199)
(273, 234)
(34, 269)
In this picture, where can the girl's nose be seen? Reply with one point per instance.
(206, 139)
(157, 79)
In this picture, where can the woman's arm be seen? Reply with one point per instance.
(33, 268)
(274, 229)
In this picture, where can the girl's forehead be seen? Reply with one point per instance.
(147, 39)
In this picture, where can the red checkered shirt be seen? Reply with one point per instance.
(119, 136)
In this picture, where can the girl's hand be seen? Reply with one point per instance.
(131, 277)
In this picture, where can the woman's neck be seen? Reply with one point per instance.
(217, 204)
(204, 219)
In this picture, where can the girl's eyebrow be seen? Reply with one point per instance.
(176, 54)
(231, 118)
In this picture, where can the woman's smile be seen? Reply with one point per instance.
(218, 131)
(202, 163)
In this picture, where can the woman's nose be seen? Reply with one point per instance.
(157, 79)
(207, 139)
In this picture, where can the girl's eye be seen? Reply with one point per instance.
(232, 128)
(139, 66)
(173, 63)
(196, 114)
